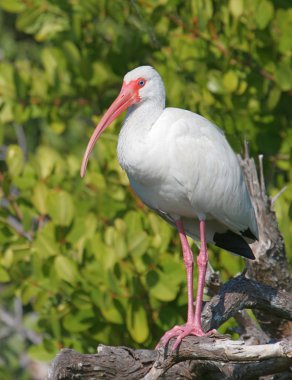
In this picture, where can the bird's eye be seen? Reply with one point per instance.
(141, 83)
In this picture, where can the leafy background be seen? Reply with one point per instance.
(82, 261)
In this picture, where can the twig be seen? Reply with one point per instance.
(14, 324)
(273, 200)
(12, 222)
(246, 149)
(262, 178)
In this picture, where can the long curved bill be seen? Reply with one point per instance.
(125, 99)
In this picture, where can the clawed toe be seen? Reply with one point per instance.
(180, 332)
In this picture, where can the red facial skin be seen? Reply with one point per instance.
(128, 96)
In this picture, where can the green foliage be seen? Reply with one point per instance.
(81, 254)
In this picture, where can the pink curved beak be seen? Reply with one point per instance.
(127, 97)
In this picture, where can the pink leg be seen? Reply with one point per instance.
(189, 264)
(202, 261)
(193, 325)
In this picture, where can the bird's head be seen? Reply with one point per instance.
(140, 85)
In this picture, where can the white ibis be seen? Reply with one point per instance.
(181, 166)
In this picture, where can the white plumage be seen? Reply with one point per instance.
(181, 165)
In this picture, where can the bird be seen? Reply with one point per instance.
(181, 166)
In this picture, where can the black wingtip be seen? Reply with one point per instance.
(234, 243)
(248, 234)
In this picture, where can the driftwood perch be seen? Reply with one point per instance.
(265, 347)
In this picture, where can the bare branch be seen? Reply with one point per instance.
(240, 293)
(125, 363)
(12, 323)
(262, 178)
(250, 331)
(271, 265)
(273, 200)
(220, 350)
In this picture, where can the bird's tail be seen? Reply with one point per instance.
(234, 243)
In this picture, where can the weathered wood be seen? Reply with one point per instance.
(221, 351)
(242, 293)
(108, 363)
(249, 330)
(125, 363)
(271, 265)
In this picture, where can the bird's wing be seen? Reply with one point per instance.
(203, 161)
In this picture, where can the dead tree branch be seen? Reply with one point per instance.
(271, 265)
(242, 293)
(125, 363)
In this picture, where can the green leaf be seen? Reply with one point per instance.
(15, 160)
(164, 289)
(81, 300)
(137, 323)
(6, 113)
(138, 244)
(58, 127)
(236, 7)
(47, 159)
(39, 197)
(4, 275)
(50, 61)
(282, 30)
(72, 53)
(174, 272)
(50, 27)
(29, 292)
(66, 269)
(30, 20)
(134, 223)
(264, 13)
(112, 310)
(214, 83)
(7, 258)
(274, 97)
(284, 76)
(12, 6)
(60, 207)
(230, 81)
(78, 321)
(7, 86)
(45, 243)
(42, 352)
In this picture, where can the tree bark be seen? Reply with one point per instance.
(197, 357)
(242, 293)
(271, 264)
(265, 347)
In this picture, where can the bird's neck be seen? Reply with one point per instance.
(141, 117)
(134, 135)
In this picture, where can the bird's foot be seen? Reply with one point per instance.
(181, 332)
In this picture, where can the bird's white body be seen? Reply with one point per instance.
(181, 165)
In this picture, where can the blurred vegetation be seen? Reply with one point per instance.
(89, 263)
